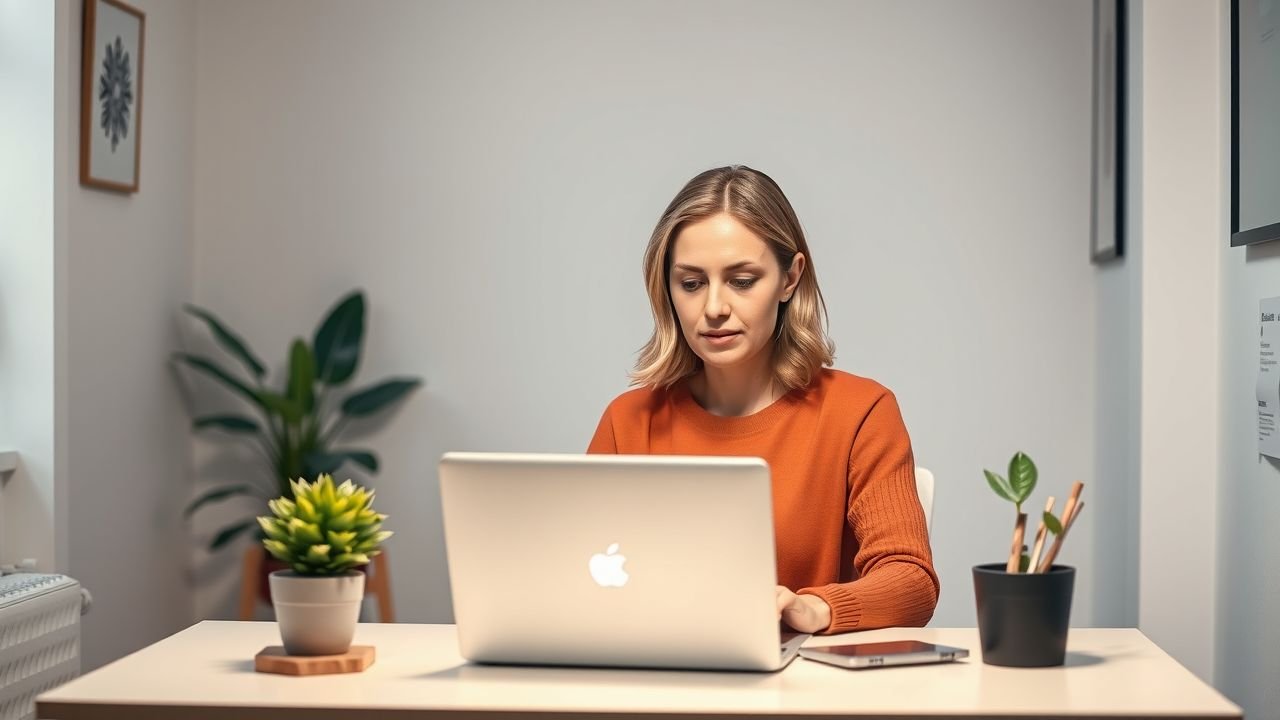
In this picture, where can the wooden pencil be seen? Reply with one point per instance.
(1040, 535)
(1072, 499)
(1057, 542)
(1015, 553)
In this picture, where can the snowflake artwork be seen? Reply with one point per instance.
(115, 92)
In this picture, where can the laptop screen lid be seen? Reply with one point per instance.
(612, 560)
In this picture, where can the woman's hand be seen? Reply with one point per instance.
(803, 613)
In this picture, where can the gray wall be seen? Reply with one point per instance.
(1249, 487)
(1113, 494)
(1249, 493)
(1248, 618)
(490, 173)
(128, 271)
(1181, 210)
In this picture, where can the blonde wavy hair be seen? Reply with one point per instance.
(801, 347)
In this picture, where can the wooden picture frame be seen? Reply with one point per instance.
(1106, 227)
(111, 95)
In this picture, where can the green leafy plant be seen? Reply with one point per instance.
(1021, 482)
(297, 428)
(324, 529)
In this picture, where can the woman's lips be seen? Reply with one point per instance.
(721, 338)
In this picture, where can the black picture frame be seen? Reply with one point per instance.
(1110, 88)
(1263, 233)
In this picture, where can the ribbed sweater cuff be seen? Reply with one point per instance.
(898, 595)
(846, 607)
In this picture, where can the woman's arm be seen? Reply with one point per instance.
(896, 584)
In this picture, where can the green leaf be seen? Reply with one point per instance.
(341, 541)
(285, 407)
(274, 528)
(218, 494)
(230, 533)
(371, 400)
(229, 341)
(345, 521)
(229, 423)
(1024, 562)
(329, 462)
(1022, 477)
(352, 559)
(305, 532)
(999, 484)
(316, 464)
(317, 554)
(278, 550)
(337, 340)
(290, 465)
(215, 371)
(363, 458)
(305, 513)
(282, 507)
(302, 376)
(1052, 524)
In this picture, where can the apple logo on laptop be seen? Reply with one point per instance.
(606, 568)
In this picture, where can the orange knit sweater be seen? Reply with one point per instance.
(848, 525)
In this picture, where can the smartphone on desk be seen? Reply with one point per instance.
(883, 654)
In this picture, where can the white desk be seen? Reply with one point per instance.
(206, 673)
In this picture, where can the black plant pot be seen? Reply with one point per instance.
(1023, 617)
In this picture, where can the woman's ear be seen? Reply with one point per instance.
(793, 276)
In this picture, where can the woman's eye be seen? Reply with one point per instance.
(743, 283)
(690, 285)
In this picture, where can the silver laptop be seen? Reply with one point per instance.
(613, 560)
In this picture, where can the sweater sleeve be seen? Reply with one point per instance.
(896, 584)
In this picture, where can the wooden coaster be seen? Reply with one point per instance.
(273, 659)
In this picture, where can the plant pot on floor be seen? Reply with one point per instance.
(317, 615)
(1023, 618)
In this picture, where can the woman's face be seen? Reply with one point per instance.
(726, 284)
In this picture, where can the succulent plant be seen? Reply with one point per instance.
(325, 529)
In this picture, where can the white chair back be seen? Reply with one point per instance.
(924, 487)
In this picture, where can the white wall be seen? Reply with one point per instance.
(1247, 617)
(1112, 496)
(128, 272)
(1181, 216)
(490, 173)
(27, 267)
(1248, 620)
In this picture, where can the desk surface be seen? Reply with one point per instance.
(206, 673)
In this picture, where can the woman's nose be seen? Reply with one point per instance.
(717, 306)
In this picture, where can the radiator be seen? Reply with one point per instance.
(39, 638)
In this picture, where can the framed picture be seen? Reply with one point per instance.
(111, 95)
(1255, 114)
(1106, 233)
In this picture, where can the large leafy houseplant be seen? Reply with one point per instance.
(297, 427)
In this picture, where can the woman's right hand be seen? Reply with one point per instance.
(803, 613)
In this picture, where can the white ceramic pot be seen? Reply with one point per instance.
(317, 615)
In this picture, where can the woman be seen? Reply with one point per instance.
(738, 364)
